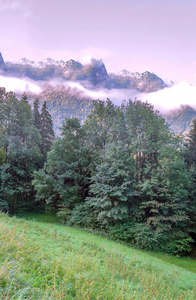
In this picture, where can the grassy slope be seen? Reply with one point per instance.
(51, 261)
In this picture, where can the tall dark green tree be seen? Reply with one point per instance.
(64, 181)
(47, 132)
(190, 157)
(164, 221)
(112, 187)
(98, 126)
(36, 114)
(190, 154)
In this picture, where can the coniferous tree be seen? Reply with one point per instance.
(112, 187)
(36, 114)
(190, 154)
(47, 132)
(190, 157)
(64, 181)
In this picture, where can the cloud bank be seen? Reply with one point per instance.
(19, 85)
(173, 97)
(163, 100)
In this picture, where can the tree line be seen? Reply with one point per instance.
(26, 136)
(122, 172)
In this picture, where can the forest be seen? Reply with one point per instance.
(122, 172)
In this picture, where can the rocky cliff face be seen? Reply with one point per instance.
(2, 65)
(180, 120)
(145, 82)
(95, 74)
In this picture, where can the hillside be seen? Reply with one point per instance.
(64, 103)
(51, 261)
(180, 120)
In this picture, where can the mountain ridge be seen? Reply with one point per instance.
(91, 75)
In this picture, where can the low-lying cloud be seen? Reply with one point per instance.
(163, 100)
(172, 97)
(19, 85)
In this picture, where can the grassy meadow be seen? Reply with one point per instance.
(41, 259)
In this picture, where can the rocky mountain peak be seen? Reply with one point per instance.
(98, 75)
(124, 73)
(72, 64)
(25, 61)
(2, 64)
(50, 61)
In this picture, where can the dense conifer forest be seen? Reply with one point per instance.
(122, 171)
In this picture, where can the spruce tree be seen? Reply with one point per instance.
(112, 189)
(36, 114)
(190, 154)
(47, 132)
(190, 157)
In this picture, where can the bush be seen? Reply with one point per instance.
(149, 239)
(83, 215)
(123, 232)
(179, 243)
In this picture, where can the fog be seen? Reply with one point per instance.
(172, 97)
(19, 85)
(163, 100)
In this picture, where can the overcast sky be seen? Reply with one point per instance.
(139, 35)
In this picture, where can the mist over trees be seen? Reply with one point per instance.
(122, 172)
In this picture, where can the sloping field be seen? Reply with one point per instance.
(40, 260)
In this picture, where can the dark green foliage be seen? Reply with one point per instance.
(20, 140)
(64, 182)
(190, 158)
(123, 231)
(47, 132)
(84, 215)
(36, 114)
(147, 238)
(190, 155)
(112, 187)
(122, 171)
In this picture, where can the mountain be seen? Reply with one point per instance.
(180, 120)
(64, 102)
(2, 64)
(68, 102)
(145, 82)
(92, 75)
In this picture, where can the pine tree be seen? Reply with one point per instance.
(36, 115)
(190, 154)
(47, 132)
(190, 157)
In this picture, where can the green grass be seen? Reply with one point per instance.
(46, 260)
(185, 262)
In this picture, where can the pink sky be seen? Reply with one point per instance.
(153, 35)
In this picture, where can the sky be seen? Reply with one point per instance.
(137, 35)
